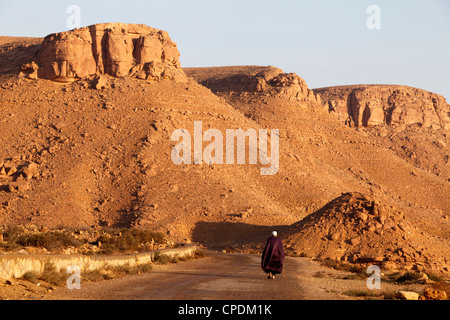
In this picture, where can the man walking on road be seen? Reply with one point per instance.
(273, 256)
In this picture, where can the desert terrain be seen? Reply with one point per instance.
(86, 123)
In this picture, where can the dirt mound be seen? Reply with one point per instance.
(370, 105)
(356, 228)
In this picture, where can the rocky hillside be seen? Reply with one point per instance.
(92, 148)
(412, 122)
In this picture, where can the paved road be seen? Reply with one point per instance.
(218, 276)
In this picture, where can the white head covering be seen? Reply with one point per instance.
(274, 233)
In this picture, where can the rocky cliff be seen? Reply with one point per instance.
(370, 105)
(254, 80)
(116, 49)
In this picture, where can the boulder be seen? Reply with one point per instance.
(101, 82)
(116, 49)
(30, 170)
(29, 70)
(407, 295)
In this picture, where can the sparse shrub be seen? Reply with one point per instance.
(160, 258)
(344, 266)
(434, 277)
(129, 240)
(319, 274)
(146, 267)
(353, 277)
(408, 277)
(12, 232)
(95, 275)
(363, 293)
(51, 240)
(11, 235)
(52, 275)
(31, 276)
(198, 253)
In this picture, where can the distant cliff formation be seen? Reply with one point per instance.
(260, 80)
(371, 105)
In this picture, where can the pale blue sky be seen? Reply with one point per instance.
(326, 42)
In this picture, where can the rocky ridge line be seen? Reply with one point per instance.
(245, 82)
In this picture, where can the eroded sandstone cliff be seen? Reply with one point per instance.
(116, 49)
(369, 105)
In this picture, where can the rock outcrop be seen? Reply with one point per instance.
(266, 81)
(370, 105)
(116, 49)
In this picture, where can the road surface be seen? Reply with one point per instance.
(218, 277)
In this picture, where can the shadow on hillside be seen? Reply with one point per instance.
(221, 235)
(13, 56)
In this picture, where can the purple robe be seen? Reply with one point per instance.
(273, 256)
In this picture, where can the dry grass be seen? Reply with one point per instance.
(357, 269)
(370, 294)
(59, 277)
